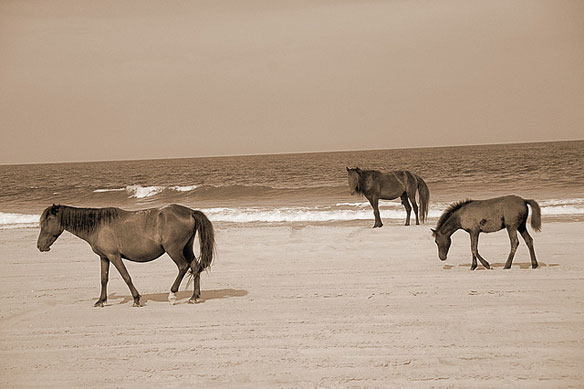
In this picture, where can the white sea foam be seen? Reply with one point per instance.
(339, 212)
(359, 205)
(18, 220)
(243, 215)
(186, 188)
(562, 210)
(575, 201)
(141, 192)
(109, 190)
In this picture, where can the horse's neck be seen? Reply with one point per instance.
(452, 225)
(79, 232)
(364, 181)
(85, 235)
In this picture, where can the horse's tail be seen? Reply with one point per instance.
(206, 239)
(424, 194)
(535, 215)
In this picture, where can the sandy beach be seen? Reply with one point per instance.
(267, 116)
(300, 306)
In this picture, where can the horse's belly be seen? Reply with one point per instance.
(142, 253)
(491, 225)
(390, 193)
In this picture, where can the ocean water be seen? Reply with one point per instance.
(299, 188)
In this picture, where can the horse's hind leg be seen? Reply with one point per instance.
(105, 264)
(514, 243)
(529, 242)
(196, 271)
(406, 204)
(412, 197)
(183, 265)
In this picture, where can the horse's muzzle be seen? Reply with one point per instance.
(43, 249)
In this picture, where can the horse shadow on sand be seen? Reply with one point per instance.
(520, 265)
(182, 297)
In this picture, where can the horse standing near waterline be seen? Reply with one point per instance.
(476, 216)
(375, 186)
(140, 236)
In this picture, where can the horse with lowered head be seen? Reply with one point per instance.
(140, 236)
(375, 186)
(476, 216)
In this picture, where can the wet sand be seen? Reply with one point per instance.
(291, 306)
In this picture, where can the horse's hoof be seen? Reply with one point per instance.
(473, 267)
(534, 266)
(137, 304)
(193, 300)
(172, 298)
(99, 304)
(507, 267)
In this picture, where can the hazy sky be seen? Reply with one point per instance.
(99, 80)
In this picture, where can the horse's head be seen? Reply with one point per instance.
(354, 176)
(443, 242)
(51, 228)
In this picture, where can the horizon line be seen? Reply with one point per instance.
(288, 153)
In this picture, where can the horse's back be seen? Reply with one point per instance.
(176, 223)
(144, 235)
(392, 184)
(154, 220)
(176, 210)
(494, 214)
(134, 236)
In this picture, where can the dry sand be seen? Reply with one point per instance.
(307, 306)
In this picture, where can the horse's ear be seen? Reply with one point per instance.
(54, 209)
(433, 231)
(347, 169)
(358, 170)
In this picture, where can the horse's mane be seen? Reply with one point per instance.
(85, 219)
(450, 210)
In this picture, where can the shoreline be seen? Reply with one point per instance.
(294, 305)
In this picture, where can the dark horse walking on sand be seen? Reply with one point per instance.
(375, 186)
(476, 216)
(139, 236)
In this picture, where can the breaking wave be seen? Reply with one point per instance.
(141, 192)
(338, 212)
(214, 192)
(17, 220)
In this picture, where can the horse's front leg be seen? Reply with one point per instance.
(474, 246)
(117, 261)
(375, 205)
(474, 242)
(105, 263)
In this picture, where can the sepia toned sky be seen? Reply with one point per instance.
(85, 80)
